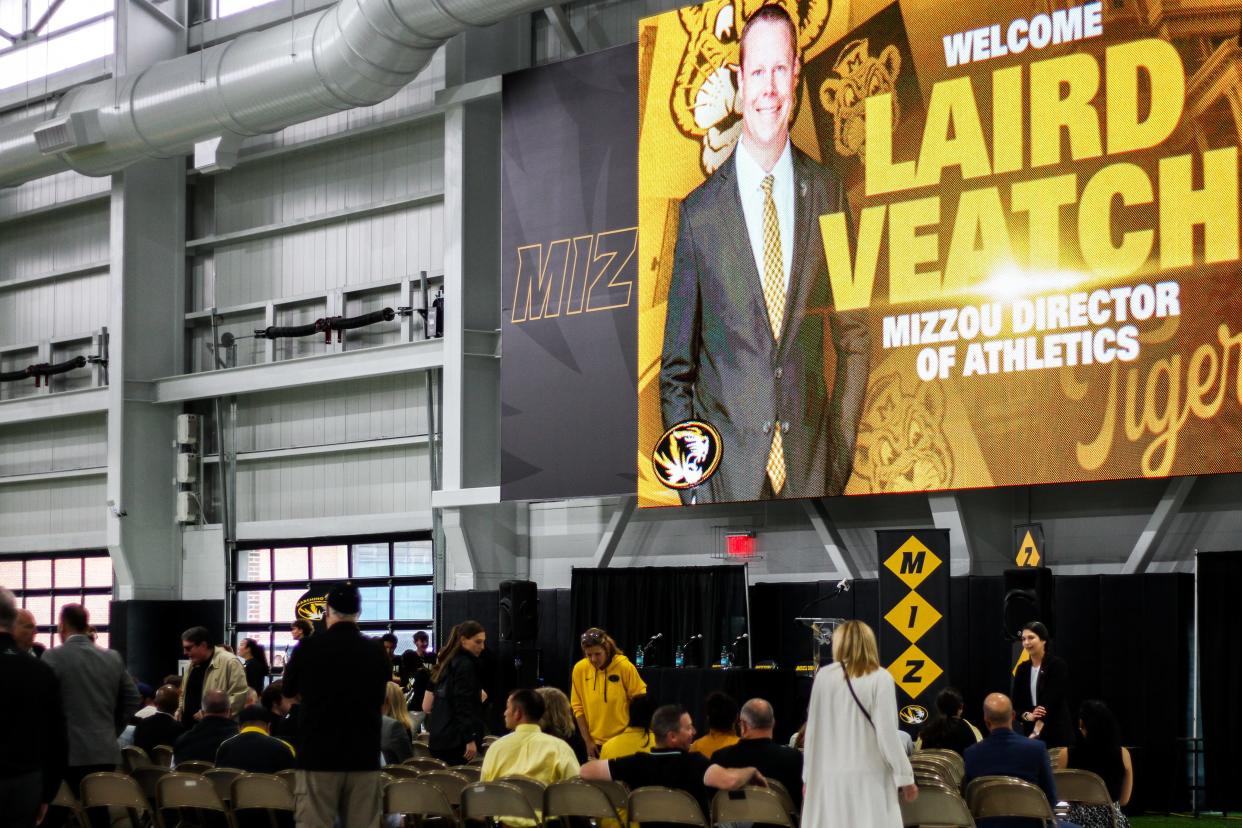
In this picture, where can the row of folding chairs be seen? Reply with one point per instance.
(1002, 796)
(519, 798)
(180, 798)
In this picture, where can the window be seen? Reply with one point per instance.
(394, 577)
(38, 38)
(45, 583)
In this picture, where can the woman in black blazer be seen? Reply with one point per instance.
(1046, 716)
(455, 724)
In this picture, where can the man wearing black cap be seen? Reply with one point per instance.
(253, 749)
(342, 677)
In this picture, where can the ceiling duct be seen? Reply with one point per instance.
(355, 53)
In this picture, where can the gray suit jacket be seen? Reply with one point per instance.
(721, 363)
(98, 695)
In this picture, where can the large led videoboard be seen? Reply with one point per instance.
(919, 246)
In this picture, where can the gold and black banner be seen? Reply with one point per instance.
(913, 629)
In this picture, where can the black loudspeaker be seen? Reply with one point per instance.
(519, 611)
(1028, 597)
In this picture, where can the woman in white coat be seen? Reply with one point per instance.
(855, 765)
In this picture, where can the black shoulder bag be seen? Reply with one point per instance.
(850, 685)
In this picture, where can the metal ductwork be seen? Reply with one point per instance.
(355, 53)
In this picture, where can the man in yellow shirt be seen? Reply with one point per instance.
(528, 751)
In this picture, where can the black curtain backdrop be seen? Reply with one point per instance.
(1127, 639)
(635, 604)
(1220, 678)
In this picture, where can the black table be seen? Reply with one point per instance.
(787, 691)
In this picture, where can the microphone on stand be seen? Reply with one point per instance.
(653, 640)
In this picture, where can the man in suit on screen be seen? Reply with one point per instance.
(750, 300)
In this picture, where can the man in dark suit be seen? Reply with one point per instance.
(98, 696)
(1005, 753)
(750, 300)
(214, 727)
(33, 745)
(161, 727)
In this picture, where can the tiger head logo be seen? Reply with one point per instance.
(687, 455)
(704, 101)
(902, 445)
(845, 97)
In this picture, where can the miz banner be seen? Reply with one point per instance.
(999, 247)
(569, 268)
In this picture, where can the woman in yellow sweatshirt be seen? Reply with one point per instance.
(601, 687)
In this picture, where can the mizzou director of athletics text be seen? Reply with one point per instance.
(750, 300)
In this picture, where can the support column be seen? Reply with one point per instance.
(146, 338)
(946, 512)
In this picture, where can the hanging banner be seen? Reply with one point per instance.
(1028, 545)
(1003, 247)
(913, 629)
(569, 265)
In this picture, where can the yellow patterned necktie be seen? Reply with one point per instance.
(774, 297)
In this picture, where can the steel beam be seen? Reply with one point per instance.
(560, 21)
(826, 529)
(946, 513)
(614, 531)
(293, 373)
(1158, 524)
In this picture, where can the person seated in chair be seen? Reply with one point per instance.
(204, 739)
(254, 749)
(1005, 753)
(671, 764)
(161, 728)
(1100, 751)
(756, 749)
(528, 751)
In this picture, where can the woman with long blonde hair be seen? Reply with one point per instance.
(558, 720)
(396, 728)
(855, 764)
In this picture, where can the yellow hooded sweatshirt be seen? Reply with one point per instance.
(603, 696)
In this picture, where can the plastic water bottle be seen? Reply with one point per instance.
(679, 656)
(724, 658)
(639, 656)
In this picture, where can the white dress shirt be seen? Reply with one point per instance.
(750, 187)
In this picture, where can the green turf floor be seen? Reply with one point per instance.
(1186, 822)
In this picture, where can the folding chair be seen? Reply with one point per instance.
(147, 778)
(262, 792)
(403, 771)
(532, 789)
(65, 809)
(289, 777)
(1084, 788)
(750, 804)
(937, 806)
(1012, 798)
(471, 772)
(162, 755)
(425, 763)
(780, 790)
(421, 751)
(198, 766)
(132, 757)
(618, 793)
(576, 798)
(180, 792)
(222, 779)
(979, 783)
(116, 790)
(449, 782)
(659, 804)
(496, 800)
(414, 797)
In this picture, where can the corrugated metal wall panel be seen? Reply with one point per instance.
(375, 168)
(48, 243)
(53, 508)
(54, 445)
(355, 251)
(54, 189)
(68, 307)
(379, 481)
